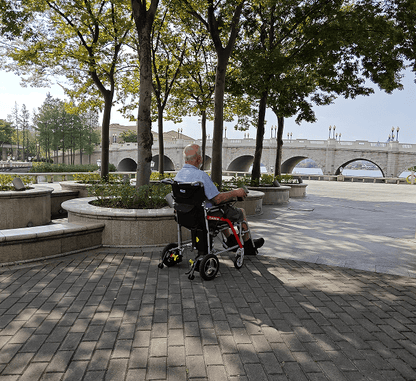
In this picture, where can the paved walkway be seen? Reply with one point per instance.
(111, 314)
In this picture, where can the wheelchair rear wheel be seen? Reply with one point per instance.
(209, 266)
(171, 255)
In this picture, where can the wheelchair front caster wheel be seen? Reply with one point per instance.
(171, 255)
(238, 261)
(191, 277)
(160, 265)
(209, 266)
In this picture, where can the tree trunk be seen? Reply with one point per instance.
(161, 168)
(105, 135)
(279, 146)
(216, 167)
(144, 15)
(223, 55)
(204, 136)
(256, 172)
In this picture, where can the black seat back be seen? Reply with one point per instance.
(189, 198)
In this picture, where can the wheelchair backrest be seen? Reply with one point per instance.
(188, 193)
(189, 199)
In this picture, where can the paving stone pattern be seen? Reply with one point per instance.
(111, 314)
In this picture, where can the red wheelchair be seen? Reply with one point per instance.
(189, 202)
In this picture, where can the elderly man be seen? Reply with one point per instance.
(191, 172)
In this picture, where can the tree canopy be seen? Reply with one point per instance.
(289, 56)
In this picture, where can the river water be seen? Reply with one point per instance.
(345, 172)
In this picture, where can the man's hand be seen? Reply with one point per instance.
(229, 196)
(241, 193)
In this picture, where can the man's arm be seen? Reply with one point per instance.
(228, 196)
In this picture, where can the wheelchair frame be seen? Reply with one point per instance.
(203, 235)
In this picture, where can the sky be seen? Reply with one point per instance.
(368, 118)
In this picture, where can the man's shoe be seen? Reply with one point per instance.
(249, 249)
(258, 243)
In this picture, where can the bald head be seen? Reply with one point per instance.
(192, 155)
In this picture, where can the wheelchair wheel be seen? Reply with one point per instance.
(208, 268)
(171, 255)
(238, 261)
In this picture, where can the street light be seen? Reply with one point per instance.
(339, 135)
(330, 128)
(225, 132)
(392, 133)
(397, 134)
(290, 136)
(334, 130)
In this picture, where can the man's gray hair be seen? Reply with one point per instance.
(189, 153)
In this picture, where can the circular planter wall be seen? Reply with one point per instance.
(74, 186)
(20, 209)
(273, 195)
(253, 204)
(127, 227)
(297, 190)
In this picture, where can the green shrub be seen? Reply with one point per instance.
(49, 167)
(121, 195)
(156, 176)
(265, 180)
(6, 181)
(90, 178)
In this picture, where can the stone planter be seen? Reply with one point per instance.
(273, 195)
(74, 186)
(20, 209)
(297, 190)
(127, 227)
(253, 204)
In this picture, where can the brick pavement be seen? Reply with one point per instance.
(111, 314)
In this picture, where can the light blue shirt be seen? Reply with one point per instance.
(190, 173)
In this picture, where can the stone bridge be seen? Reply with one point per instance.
(330, 155)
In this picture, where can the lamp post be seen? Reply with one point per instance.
(330, 128)
(333, 128)
(339, 135)
(392, 133)
(225, 132)
(290, 136)
(336, 136)
(397, 133)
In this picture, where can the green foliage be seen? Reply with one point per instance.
(49, 167)
(6, 132)
(125, 196)
(156, 176)
(129, 136)
(266, 180)
(93, 178)
(6, 181)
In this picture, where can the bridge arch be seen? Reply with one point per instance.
(127, 165)
(241, 164)
(338, 171)
(289, 164)
(167, 163)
